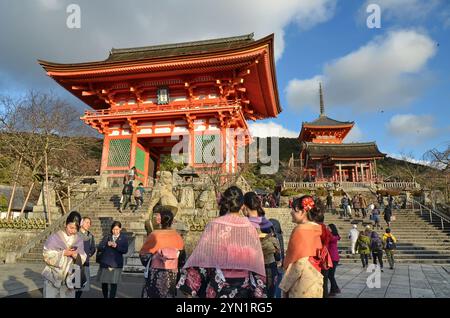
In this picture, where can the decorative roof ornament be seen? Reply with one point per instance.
(322, 106)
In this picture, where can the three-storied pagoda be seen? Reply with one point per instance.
(146, 99)
(324, 156)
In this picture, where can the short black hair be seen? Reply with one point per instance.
(114, 224)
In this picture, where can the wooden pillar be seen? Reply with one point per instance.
(223, 136)
(105, 153)
(191, 147)
(133, 150)
(356, 172)
(340, 171)
(375, 168)
(146, 166)
(362, 172)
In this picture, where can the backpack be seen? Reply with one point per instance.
(137, 193)
(165, 258)
(390, 244)
(362, 244)
(377, 245)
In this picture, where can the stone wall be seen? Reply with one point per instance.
(12, 240)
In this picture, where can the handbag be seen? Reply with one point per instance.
(98, 256)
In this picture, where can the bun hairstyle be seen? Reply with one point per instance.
(166, 217)
(231, 201)
(252, 201)
(74, 217)
(314, 212)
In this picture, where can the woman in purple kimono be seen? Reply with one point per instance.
(64, 255)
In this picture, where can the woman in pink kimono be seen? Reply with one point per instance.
(228, 261)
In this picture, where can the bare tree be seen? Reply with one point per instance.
(37, 130)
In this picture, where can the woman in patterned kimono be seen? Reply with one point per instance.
(166, 247)
(228, 261)
(303, 278)
(63, 256)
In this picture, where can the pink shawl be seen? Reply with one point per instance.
(229, 242)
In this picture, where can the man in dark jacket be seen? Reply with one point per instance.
(127, 192)
(89, 248)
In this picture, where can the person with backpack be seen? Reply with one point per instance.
(355, 204)
(164, 246)
(139, 196)
(363, 247)
(390, 244)
(376, 246)
(127, 192)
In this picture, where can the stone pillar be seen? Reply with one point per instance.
(40, 209)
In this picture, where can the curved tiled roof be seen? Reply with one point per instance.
(345, 150)
(327, 121)
(179, 49)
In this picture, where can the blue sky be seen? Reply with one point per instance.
(393, 81)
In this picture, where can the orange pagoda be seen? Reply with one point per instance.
(324, 156)
(145, 100)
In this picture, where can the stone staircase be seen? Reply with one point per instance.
(419, 241)
(102, 208)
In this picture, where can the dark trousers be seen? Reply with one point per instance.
(364, 259)
(126, 201)
(112, 292)
(378, 255)
(325, 282)
(331, 272)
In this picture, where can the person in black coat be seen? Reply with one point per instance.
(112, 248)
(279, 235)
(388, 215)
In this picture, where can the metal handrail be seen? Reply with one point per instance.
(55, 225)
(431, 212)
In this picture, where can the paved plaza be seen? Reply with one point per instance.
(405, 281)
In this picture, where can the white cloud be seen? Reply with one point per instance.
(404, 10)
(355, 135)
(271, 129)
(410, 129)
(31, 30)
(387, 72)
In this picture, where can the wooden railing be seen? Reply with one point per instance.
(142, 108)
(431, 213)
(347, 185)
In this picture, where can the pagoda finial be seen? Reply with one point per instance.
(322, 106)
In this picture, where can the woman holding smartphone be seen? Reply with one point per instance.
(112, 248)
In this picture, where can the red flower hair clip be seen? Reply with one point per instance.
(308, 204)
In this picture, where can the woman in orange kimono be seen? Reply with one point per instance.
(303, 262)
(166, 248)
